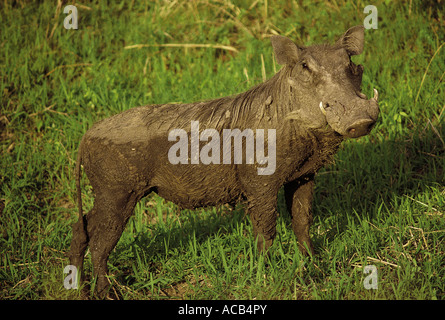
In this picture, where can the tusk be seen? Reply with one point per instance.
(323, 110)
(361, 95)
(376, 95)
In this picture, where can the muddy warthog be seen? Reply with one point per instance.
(311, 105)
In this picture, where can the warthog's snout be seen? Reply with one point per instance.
(352, 122)
(360, 128)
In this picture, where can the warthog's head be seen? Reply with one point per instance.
(325, 84)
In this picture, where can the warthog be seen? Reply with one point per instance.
(311, 104)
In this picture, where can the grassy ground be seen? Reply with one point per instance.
(382, 203)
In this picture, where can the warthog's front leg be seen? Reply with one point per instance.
(299, 195)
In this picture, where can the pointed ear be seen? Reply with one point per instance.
(286, 52)
(353, 40)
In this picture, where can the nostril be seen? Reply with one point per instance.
(360, 128)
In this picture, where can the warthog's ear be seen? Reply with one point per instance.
(286, 52)
(353, 40)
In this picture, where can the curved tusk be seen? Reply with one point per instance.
(376, 95)
(323, 110)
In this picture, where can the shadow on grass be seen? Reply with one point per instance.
(199, 225)
(371, 178)
(178, 231)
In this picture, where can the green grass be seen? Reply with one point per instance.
(381, 203)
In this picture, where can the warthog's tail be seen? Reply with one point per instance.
(78, 190)
(79, 241)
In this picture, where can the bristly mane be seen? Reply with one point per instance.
(263, 102)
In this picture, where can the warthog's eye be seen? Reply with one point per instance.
(303, 72)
